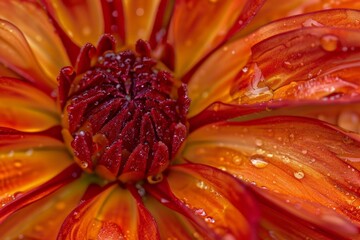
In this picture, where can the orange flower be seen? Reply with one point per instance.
(99, 139)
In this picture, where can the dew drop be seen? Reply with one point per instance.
(18, 163)
(329, 42)
(200, 212)
(258, 142)
(84, 164)
(299, 175)
(209, 220)
(258, 162)
(304, 151)
(237, 160)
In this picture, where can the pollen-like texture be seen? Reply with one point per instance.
(123, 117)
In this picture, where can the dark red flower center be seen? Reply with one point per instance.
(123, 117)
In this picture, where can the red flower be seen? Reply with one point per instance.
(179, 119)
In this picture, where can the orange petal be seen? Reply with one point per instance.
(139, 19)
(312, 63)
(43, 219)
(30, 109)
(216, 203)
(210, 84)
(109, 213)
(171, 224)
(300, 158)
(39, 33)
(197, 27)
(81, 20)
(16, 54)
(26, 161)
(22, 200)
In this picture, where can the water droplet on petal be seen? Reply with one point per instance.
(329, 42)
(299, 175)
(18, 163)
(258, 142)
(258, 162)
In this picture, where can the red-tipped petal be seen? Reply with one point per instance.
(300, 158)
(210, 84)
(215, 202)
(111, 212)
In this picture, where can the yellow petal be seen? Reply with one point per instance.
(139, 19)
(39, 33)
(81, 20)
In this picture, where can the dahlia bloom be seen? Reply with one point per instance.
(185, 119)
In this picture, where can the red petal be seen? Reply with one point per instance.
(300, 158)
(215, 202)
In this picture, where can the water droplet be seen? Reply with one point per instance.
(29, 152)
(200, 212)
(209, 220)
(18, 163)
(245, 69)
(237, 160)
(329, 42)
(258, 142)
(140, 12)
(299, 175)
(258, 162)
(84, 164)
(304, 151)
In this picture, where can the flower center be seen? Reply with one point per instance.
(123, 117)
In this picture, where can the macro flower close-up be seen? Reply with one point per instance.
(179, 119)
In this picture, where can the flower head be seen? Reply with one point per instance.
(206, 119)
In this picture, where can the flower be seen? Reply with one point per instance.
(99, 139)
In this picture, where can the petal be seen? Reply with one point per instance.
(25, 199)
(300, 158)
(109, 213)
(39, 33)
(27, 161)
(312, 63)
(210, 84)
(30, 109)
(171, 224)
(82, 20)
(139, 19)
(43, 219)
(197, 27)
(16, 54)
(216, 203)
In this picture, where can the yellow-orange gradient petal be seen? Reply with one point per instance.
(43, 219)
(216, 203)
(110, 213)
(39, 33)
(301, 158)
(82, 20)
(16, 54)
(210, 84)
(25, 108)
(139, 19)
(171, 224)
(198, 26)
(28, 160)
